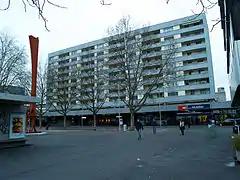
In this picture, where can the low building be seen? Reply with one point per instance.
(12, 118)
(220, 95)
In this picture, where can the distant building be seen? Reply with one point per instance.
(220, 95)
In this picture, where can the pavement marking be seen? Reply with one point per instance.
(36, 134)
(231, 164)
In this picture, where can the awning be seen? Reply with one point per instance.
(5, 97)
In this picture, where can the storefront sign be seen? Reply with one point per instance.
(198, 107)
(182, 108)
(17, 126)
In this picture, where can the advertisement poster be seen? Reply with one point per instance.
(17, 126)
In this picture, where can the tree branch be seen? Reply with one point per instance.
(104, 3)
(37, 4)
(8, 6)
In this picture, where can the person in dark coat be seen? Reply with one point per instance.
(154, 124)
(139, 128)
(189, 124)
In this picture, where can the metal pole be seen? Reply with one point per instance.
(119, 115)
(118, 102)
(160, 116)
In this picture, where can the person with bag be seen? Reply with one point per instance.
(182, 127)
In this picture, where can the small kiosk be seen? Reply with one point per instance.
(13, 119)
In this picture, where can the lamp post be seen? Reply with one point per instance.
(120, 121)
(82, 118)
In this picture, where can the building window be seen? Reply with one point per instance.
(198, 42)
(173, 94)
(168, 38)
(192, 92)
(74, 59)
(168, 29)
(100, 46)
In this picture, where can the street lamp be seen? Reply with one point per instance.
(120, 121)
(82, 118)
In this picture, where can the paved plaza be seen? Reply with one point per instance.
(110, 155)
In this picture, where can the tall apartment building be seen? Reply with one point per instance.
(193, 60)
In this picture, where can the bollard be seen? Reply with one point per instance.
(124, 127)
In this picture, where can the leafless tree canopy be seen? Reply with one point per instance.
(62, 90)
(13, 61)
(105, 3)
(39, 5)
(136, 64)
(42, 90)
(205, 5)
(92, 87)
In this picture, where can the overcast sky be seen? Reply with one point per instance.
(87, 20)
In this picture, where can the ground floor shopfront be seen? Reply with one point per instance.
(168, 115)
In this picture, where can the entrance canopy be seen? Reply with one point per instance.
(16, 99)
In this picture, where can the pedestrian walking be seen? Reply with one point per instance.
(182, 126)
(189, 124)
(154, 124)
(139, 128)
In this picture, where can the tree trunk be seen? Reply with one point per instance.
(65, 121)
(94, 122)
(132, 121)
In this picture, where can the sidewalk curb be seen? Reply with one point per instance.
(36, 134)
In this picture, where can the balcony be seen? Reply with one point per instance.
(172, 99)
(179, 31)
(182, 88)
(192, 66)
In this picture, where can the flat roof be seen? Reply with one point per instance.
(166, 24)
(5, 97)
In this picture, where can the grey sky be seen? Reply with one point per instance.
(87, 20)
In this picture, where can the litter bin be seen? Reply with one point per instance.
(124, 127)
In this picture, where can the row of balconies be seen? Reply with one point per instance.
(148, 55)
(153, 72)
(192, 37)
(158, 90)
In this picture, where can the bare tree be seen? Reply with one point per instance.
(13, 60)
(93, 87)
(104, 3)
(62, 90)
(205, 6)
(137, 64)
(42, 91)
(39, 5)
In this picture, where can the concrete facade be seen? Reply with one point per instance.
(220, 95)
(193, 58)
(231, 29)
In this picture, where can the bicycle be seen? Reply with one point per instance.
(4, 128)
